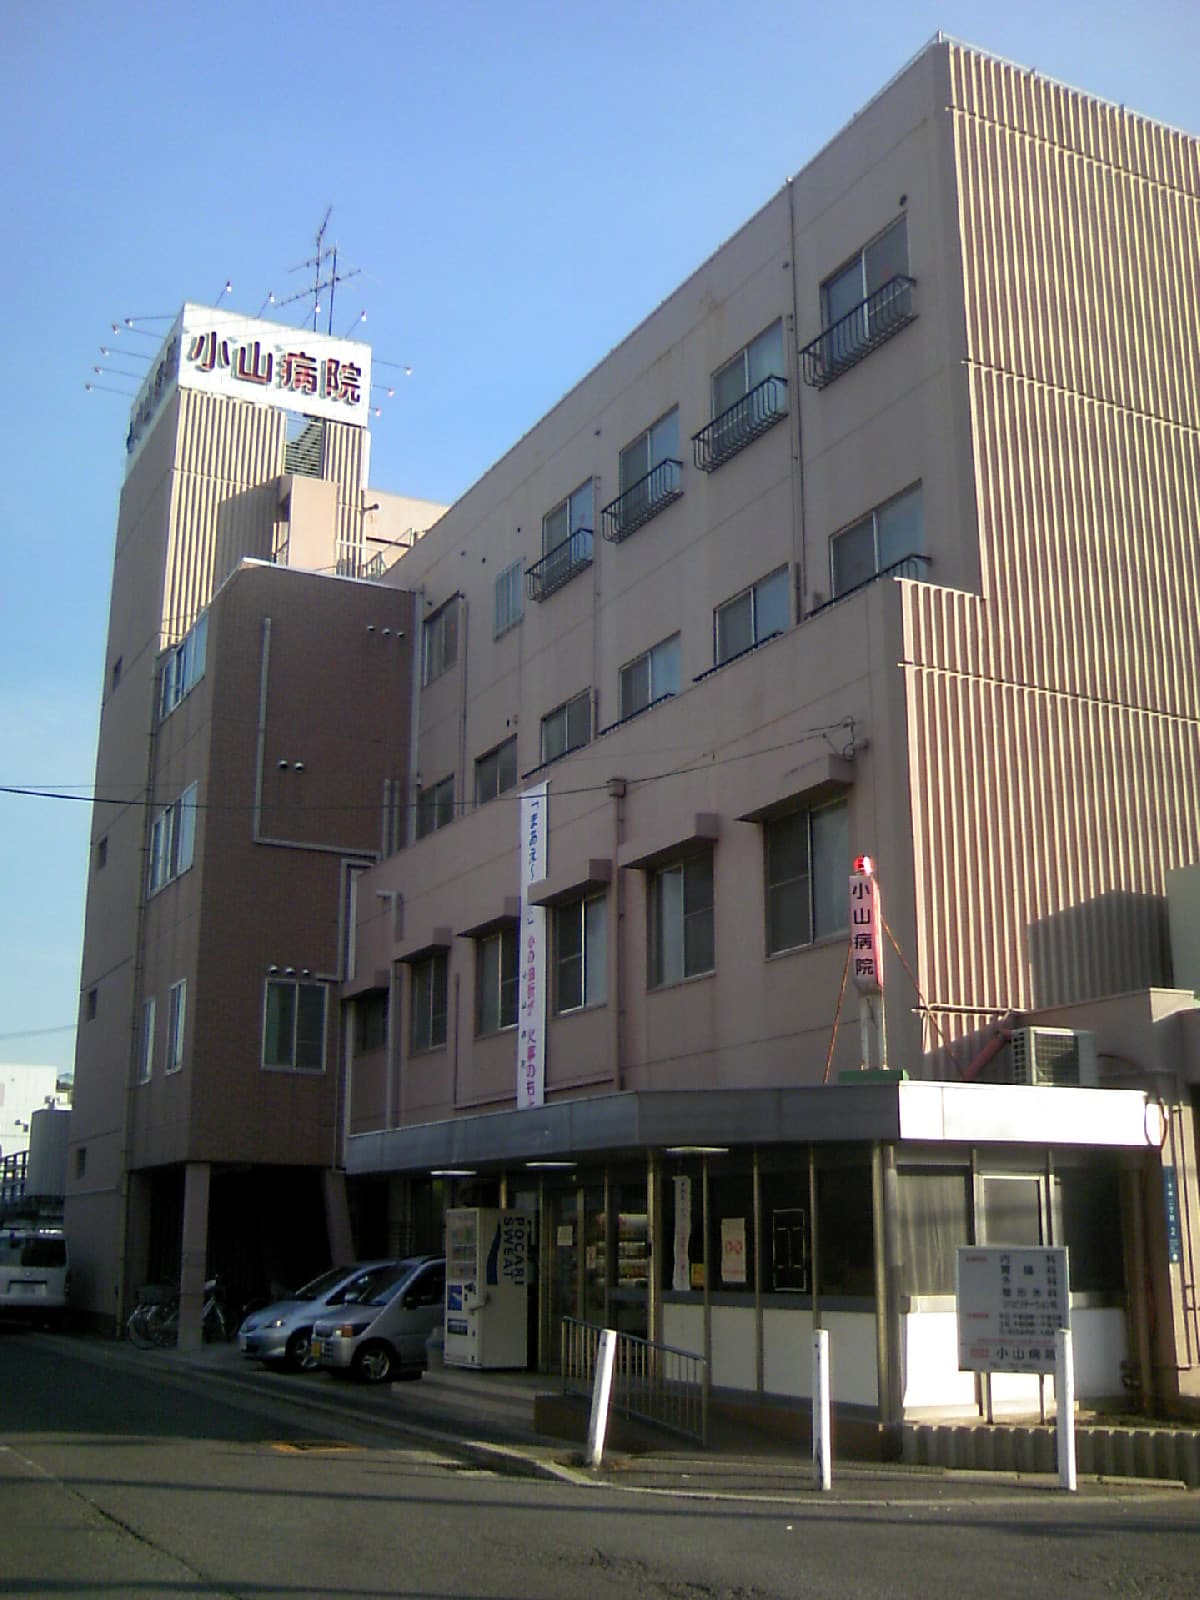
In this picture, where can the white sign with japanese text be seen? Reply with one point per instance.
(531, 956)
(1010, 1302)
(265, 363)
(733, 1249)
(681, 1279)
(866, 950)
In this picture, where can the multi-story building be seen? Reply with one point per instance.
(875, 538)
(255, 698)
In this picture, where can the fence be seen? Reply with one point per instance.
(653, 1382)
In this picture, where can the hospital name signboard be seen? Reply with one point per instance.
(244, 358)
(1010, 1304)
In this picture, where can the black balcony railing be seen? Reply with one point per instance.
(913, 565)
(642, 500)
(845, 342)
(559, 566)
(742, 422)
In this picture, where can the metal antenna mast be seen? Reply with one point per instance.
(316, 261)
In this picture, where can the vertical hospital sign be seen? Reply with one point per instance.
(531, 955)
(866, 951)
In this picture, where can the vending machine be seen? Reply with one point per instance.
(488, 1267)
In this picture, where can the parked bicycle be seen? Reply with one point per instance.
(154, 1321)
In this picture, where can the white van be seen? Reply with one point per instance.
(34, 1273)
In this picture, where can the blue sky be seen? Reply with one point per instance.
(519, 184)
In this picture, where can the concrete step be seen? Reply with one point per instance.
(1150, 1451)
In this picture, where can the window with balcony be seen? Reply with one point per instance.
(183, 667)
(294, 1025)
(435, 806)
(650, 476)
(428, 990)
(172, 840)
(891, 538)
(681, 935)
(806, 858)
(862, 304)
(566, 543)
(749, 395)
(439, 642)
(580, 954)
(567, 727)
(496, 772)
(650, 677)
(508, 599)
(496, 981)
(145, 1054)
(749, 618)
(176, 1022)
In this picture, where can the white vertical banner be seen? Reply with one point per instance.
(681, 1269)
(531, 958)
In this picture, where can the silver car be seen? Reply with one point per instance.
(282, 1332)
(384, 1329)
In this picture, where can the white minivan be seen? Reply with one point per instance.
(34, 1273)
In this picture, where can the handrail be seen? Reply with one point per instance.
(864, 327)
(909, 566)
(642, 500)
(738, 425)
(559, 565)
(656, 1383)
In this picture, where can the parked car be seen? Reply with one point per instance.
(282, 1331)
(383, 1331)
(34, 1273)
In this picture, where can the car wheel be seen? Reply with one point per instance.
(299, 1354)
(374, 1363)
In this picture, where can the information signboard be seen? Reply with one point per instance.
(1010, 1302)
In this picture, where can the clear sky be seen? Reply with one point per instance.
(519, 183)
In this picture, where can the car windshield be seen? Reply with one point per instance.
(322, 1285)
(376, 1288)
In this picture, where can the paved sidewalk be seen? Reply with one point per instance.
(488, 1418)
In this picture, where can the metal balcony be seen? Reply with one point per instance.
(913, 565)
(844, 343)
(560, 565)
(740, 424)
(642, 500)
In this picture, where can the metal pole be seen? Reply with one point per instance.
(1064, 1392)
(821, 1453)
(601, 1396)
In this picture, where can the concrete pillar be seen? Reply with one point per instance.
(337, 1215)
(194, 1254)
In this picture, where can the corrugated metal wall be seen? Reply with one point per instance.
(1055, 722)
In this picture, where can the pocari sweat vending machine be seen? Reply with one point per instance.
(488, 1255)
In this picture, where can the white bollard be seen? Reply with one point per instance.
(821, 1442)
(1064, 1394)
(601, 1396)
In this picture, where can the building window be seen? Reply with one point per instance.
(173, 839)
(176, 1021)
(429, 980)
(90, 1002)
(370, 1021)
(681, 921)
(581, 954)
(862, 304)
(304, 446)
(649, 473)
(752, 616)
(509, 600)
(439, 642)
(881, 540)
(496, 772)
(567, 727)
(435, 806)
(566, 543)
(145, 1056)
(183, 667)
(807, 864)
(650, 677)
(749, 395)
(294, 1025)
(496, 981)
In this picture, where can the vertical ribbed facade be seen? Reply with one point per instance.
(1055, 718)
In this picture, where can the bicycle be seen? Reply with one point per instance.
(154, 1321)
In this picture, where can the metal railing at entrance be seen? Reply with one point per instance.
(652, 1382)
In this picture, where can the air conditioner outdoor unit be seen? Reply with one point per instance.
(1063, 1058)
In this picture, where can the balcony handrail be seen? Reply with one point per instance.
(909, 566)
(559, 564)
(660, 487)
(655, 1383)
(862, 329)
(738, 425)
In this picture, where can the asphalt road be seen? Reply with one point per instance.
(123, 1482)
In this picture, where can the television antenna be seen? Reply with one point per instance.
(323, 256)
